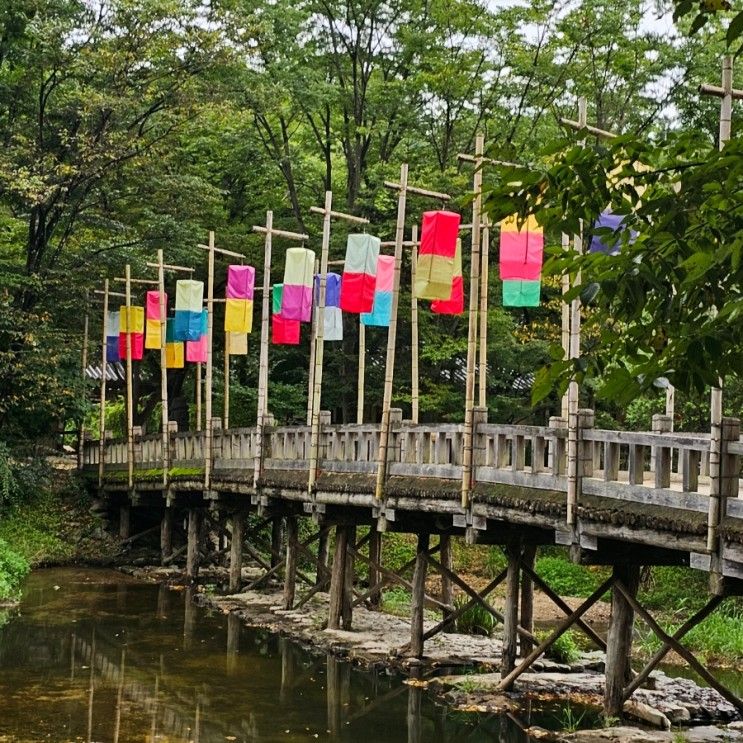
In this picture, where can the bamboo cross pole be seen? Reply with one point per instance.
(726, 93)
(415, 381)
(472, 334)
(262, 411)
(161, 267)
(384, 434)
(213, 250)
(319, 337)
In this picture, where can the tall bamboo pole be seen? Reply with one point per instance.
(129, 392)
(263, 355)
(199, 373)
(389, 371)
(163, 366)
(226, 406)
(313, 344)
(565, 311)
(469, 395)
(415, 378)
(104, 371)
(209, 362)
(482, 374)
(362, 373)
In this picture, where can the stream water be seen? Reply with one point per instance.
(91, 655)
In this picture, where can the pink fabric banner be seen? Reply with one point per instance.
(152, 305)
(240, 282)
(385, 273)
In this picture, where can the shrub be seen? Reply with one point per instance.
(476, 620)
(13, 569)
(564, 649)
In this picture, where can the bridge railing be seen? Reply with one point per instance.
(349, 447)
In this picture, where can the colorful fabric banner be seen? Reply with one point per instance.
(521, 249)
(131, 323)
(296, 298)
(435, 268)
(518, 293)
(196, 350)
(174, 352)
(381, 313)
(521, 255)
(153, 327)
(189, 301)
(359, 273)
(238, 344)
(332, 314)
(112, 337)
(283, 331)
(455, 304)
(610, 245)
(240, 282)
(238, 316)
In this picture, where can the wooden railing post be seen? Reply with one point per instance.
(556, 447)
(586, 420)
(262, 446)
(662, 454)
(137, 445)
(479, 444)
(723, 481)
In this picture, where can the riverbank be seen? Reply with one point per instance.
(459, 671)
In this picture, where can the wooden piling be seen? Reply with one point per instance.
(124, 521)
(527, 598)
(192, 552)
(619, 642)
(511, 611)
(236, 550)
(375, 557)
(290, 572)
(349, 576)
(322, 580)
(166, 534)
(418, 597)
(446, 583)
(277, 539)
(337, 577)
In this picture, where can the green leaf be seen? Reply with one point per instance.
(735, 29)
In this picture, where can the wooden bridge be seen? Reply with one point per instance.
(618, 498)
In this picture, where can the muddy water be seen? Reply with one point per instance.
(91, 655)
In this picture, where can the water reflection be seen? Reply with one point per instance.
(102, 661)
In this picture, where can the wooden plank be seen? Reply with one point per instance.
(646, 495)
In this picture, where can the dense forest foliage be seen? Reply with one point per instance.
(133, 125)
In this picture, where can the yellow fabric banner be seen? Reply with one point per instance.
(238, 344)
(174, 356)
(153, 334)
(135, 321)
(238, 316)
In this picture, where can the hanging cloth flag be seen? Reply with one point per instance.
(296, 298)
(238, 344)
(132, 324)
(153, 326)
(238, 314)
(521, 254)
(112, 337)
(604, 244)
(359, 273)
(196, 350)
(455, 304)
(332, 314)
(283, 331)
(381, 313)
(174, 357)
(189, 302)
(434, 273)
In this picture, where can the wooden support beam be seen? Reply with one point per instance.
(557, 600)
(192, 555)
(236, 550)
(124, 521)
(619, 642)
(511, 610)
(447, 594)
(418, 596)
(166, 534)
(375, 558)
(277, 539)
(337, 579)
(526, 619)
(687, 655)
(349, 576)
(323, 557)
(546, 644)
(686, 627)
(290, 574)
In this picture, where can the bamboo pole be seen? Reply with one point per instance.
(313, 341)
(226, 407)
(362, 373)
(573, 392)
(163, 366)
(102, 411)
(482, 373)
(129, 392)
(263, 356)
(198, 395)
(209, 362)
(389, 373)
(319, 336)
(565, 311)
(469, 395)
(414, 382)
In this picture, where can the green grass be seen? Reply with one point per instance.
(567, 578)
(564, 649)
(13, 569)
(476, 620)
